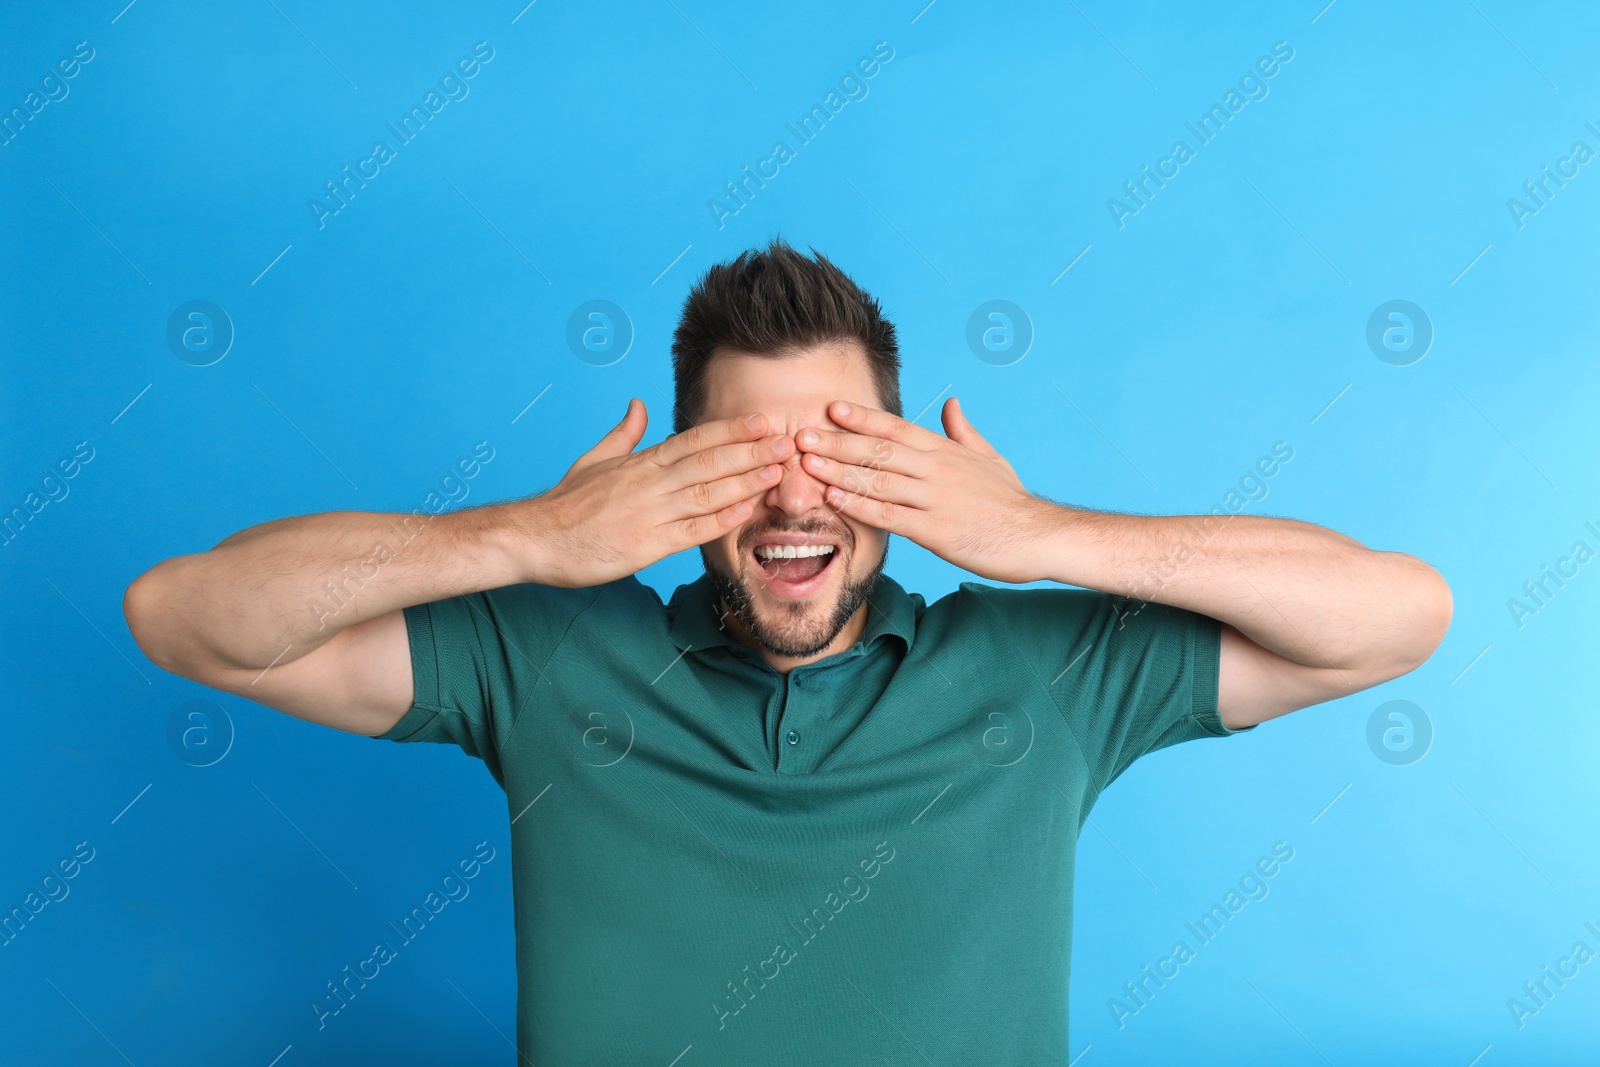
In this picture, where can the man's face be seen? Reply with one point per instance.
(793, 607)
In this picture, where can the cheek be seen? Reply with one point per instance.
(726, 549)
(869, 542)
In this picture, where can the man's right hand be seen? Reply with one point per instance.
(305, 614)
(616, 511)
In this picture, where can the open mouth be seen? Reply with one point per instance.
(794, 567)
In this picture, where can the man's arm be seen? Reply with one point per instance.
(305, 614)
(1308, 614)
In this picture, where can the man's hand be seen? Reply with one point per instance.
(1309, 614)
(953, 495)
(616, 511)
(306, 614)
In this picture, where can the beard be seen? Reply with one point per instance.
(794, 632)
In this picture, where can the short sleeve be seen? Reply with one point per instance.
(1129, 676)
(476, 663)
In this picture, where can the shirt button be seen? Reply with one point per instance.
(794, 738)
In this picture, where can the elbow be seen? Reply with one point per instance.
(141, 611)
(1440, 607)
(1433, 606)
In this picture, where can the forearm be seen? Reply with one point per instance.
(277, 591)
(1305, 592)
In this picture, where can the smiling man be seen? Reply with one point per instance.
(796, 814)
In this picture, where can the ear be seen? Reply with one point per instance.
(959, 430)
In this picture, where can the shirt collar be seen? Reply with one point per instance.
(697, 623)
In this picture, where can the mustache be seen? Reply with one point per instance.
(814, 528)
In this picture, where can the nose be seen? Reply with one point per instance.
(797, 493)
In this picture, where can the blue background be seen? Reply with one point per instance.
(373, 352)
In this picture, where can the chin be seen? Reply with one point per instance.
(794, 591)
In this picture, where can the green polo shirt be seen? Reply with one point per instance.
(869, 860)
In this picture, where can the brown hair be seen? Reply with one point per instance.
(771, 301)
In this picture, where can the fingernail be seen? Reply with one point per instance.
(770, 471)
(755, 422)
(808, 437)
(844, 409)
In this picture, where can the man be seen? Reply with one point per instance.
(796, 815)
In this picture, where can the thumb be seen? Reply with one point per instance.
(959, 430)
(623, 438)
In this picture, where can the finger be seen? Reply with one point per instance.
(700, 529)
(863, 451)
(708, 497)
(865, 481)
(621, 439)
(961, 431)
(882, 514)
(876, 423)
(709, 435)
(709, 464)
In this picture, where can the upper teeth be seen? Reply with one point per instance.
(791, 551)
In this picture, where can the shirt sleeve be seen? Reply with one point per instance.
(476, 663)
(1128, 676)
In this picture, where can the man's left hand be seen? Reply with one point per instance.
(953, 495)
